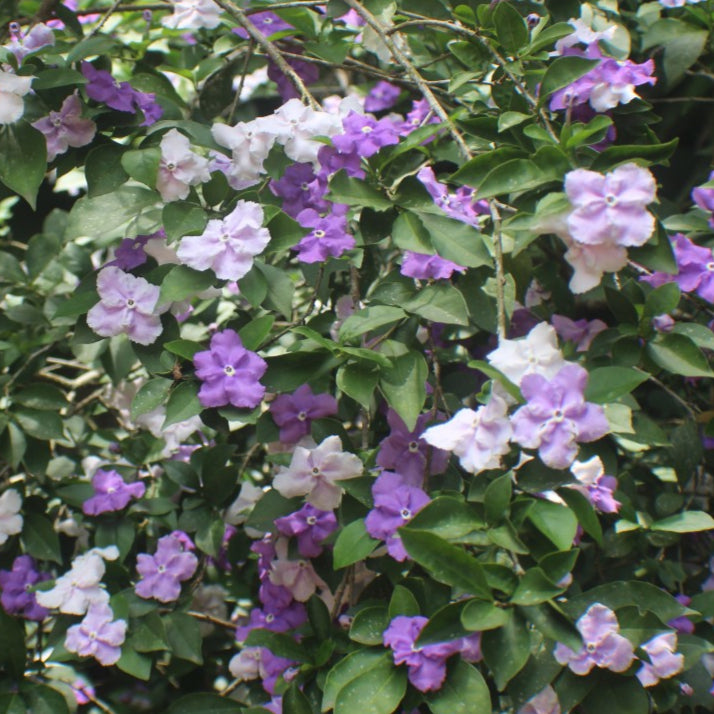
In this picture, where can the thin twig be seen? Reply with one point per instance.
(104, 18)
(500, 276)
(213, 620)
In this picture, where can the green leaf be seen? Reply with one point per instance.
(679, 355)
(10, 269)
(151, 395)
(23, 159)
(473, 172)
(39, 423)
(281, 645)
(280, 289)
(402, 602)
(551, 623)
(444, 625)
(409, 233)
(584, 512)
(456, 241)
(205, 704)
(403, 386)
(355, 192)
(135, 664)
(607, 384)
(557, 523)
(662, 300)
(369, 624)
(687, 522)
(515, 176)
(439, 302)
(353, 543)
(369, 319)
(563, 71)
(295, 702)
(12, 647)
(182, 282)
(182, 404)
(478, 616)
(12, 704)
(183, 348)
(181, 218)
(103, 169)
(184, 637)
(379, 690)
(42, 699)
(506, 650)
(463, 692)
(497, 499)
(449, 517)
(617, 695)
(647, 153)
(550, 35)
(142, 165)
(41, 396)
(447, 563)
(348, 669)
(701, 335)
(358, 382)
(253, 334)
(534, 588)
(511, 31)
(150, 634)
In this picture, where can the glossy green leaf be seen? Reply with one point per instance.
(151, 394)
(563, 71)
(182, 282)
(463, 692)
(557, 523)
(182, 403)
(353, 543)
(511, 31)
(348, 669)
(23, 159)
(607, 384)
(679, 355)
(686, 522)
(377, 691)
(506, 649)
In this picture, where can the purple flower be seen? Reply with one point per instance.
(406, 452)
(179, 167)
(282, 620)
(163, 572)
(102, 87)
(428, 267)
(311, 526)
(557, 416)
(611, 209)
(595, 485)
(695, 269)
(111, 493)
(16, 597)
(229, 373)
(267, 23)
(703, 196)
(395, 504)
(227, 246)
(300, 188)
(603, 646)
(545, 702)
(382, 96)
(459, 205)
(427, 664)
(328, 238)
(420, 115)
(581, 332)
(130, 254)
(294, 413)
(307, 71)
(127, 305)
(364, 135)
(331, 161)
(146, 103)
(664, 662)
(258, 663)
(682, 623)
(66, 127)
(38, 36)
(97, 635)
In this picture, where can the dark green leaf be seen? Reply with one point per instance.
(369, 625)
(205, 704)
(439, 302)
(295, 702)
(41, 424)
(564, 71)
(506, 649)
(358, 382)
(478, 616)
(403, 386)
(253, 334)
(142, 165)
(103, 169)
(511, 31)
(12, 646)
(184, 637)
(377, 691)
(23, 159)
(534, 588)
(182, 282)
(355, 192)
(182, 404)
(607, 384)
(463, 692)
(181, 218)
(348, 669)
(456, 241)
(42, 699)
(41, 396)
(497, 498)
(557, 523)
(679, 355)
(449, 517)
(647, 153)
(151, 395)
(353, 543)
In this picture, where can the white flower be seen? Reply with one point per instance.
(10, 518)
(12, 90)
(479, 438)
(79, 588)
(238, 511)
(313, 472)
(537, 353)
(193, 15)
(179, 168)
(583, 33)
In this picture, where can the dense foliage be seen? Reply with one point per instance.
(355, 356)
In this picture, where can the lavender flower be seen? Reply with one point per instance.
(678, 3)
(459, 205)
(603, 646)
(545, 702)
(612, 208)
(38, 36)
(146, 103)
(703, 196)
(328, 238)
(331, 161)
(395, 504)
(163, 572)
(664, 662)
(229, 373)
(595, 485)
(111, 493)
(300, 188)
(296, 576)
(12, 90)
(10, 518)
(16, 598)
(102, 87)
(382, 96)
(557, 416)
(428, 267)
(258, 663)
(364, 135)
(98, 635)
(282, 620)
(406, 451)
(267, 23)
(580, 332)
(127, 305)
(311, 526)
(66, 127)
(307, 71)
(682, 623)
(179, 168)
(131, 254)
(427, 664)
(193, 15)
(315, 473)
(294, 413)
(420, 115)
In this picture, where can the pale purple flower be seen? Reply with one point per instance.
(364, 135)
(281, 620)
(229, 373)
(10, 518)
(258, 663)
(329, 236)
(584, 34)
(695, 269)
(611, 208)
(239, 510)
(127, 305)
(556, 416)
(331, 161)
(664, 662)
(678, 3)
(427, 664)
(267, 23)
(102, 87)
(296, 576)
(307, 71)
(703, 196)
(459, 205)
(603, 646)
(294, 413)
(146, 103)
(545, 702)
(428, 267)
(595, 485)
(98, 635)
(406, 451)
(300, 188)
(179, 167)
(130, 254)
(111, 493)
(227, 246)
(81, 586)
(479, 438)
(163, 572)
(382, 96)
(38, 36)
(12, 90)
(580, 332)
(420, 115)
(395, 504)
(311, 526)
(16, 584)
(193, 15)
(315, 473)
(682, 623)
(66, 127)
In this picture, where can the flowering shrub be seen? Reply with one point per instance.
(355, 357)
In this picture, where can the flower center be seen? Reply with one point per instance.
(302, 564)
(161, 569)
(302, 416)
(269, 617)
(591, 647)
(558, 415)
(315, 471)
(56, 119)
(224, 238)
(171, 166)
(304, 186)
(229, 370)
(610, 199)
(311, 520)
(710, 266)
(319, 233)
(413, 446)
(405, 513)
(366, 130)
(130, 303)
(92, 635)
